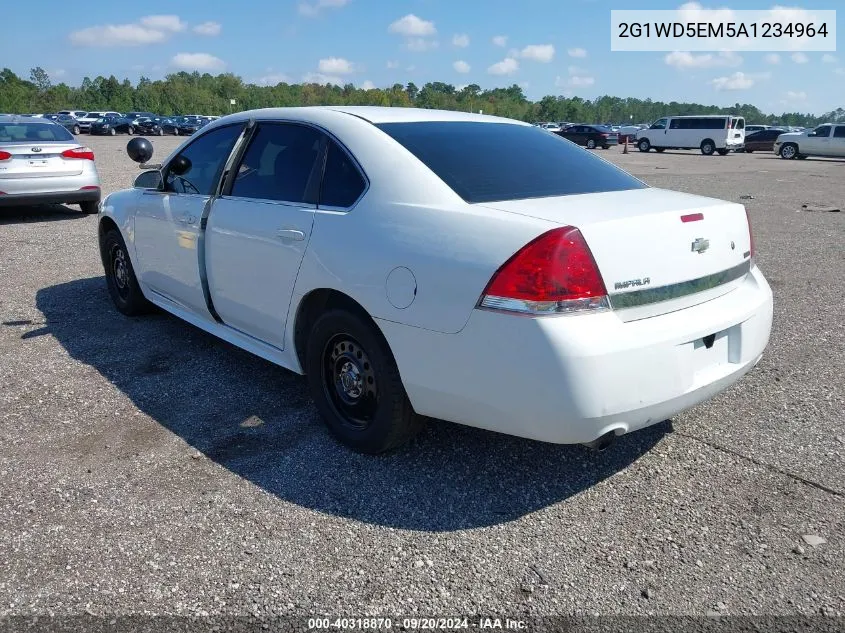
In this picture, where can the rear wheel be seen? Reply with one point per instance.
(130, 130)
(659, 150)
(789, 151)
(112, 131)
(643, 145)
(708, 147)
(591, 144)
(160, 132)
(748, 151)
(120, 276)
(356, 385)
(723, 152)
(76, 130)
(89, 207)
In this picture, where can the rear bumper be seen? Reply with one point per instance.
(64, 197)
(571, 379)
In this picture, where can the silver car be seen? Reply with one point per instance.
(41, 163)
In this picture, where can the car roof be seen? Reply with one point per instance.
(375, 114)
(15, 118)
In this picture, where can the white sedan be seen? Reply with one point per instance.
(423, 263)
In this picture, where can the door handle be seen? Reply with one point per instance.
(290, 234)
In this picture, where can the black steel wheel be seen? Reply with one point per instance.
(355, 383)
(120, 276)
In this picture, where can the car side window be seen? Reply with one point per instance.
(282, 163)
(839, 132)
(823, 131)
(342, 183)
(660, 124)
(206, 157)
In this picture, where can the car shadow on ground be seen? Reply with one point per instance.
(39, 213)
(257, 420)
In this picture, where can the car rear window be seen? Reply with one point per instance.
(487, 162)
(40, 132)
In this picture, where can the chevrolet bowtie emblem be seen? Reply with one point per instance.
(700, 245)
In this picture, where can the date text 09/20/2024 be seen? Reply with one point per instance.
(417, 623)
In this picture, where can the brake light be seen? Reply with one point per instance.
(750, 236)
(5, 155)
(554, 273)
(604, 135)
(84, 153)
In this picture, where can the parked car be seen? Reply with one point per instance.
(572, 278)
(69, 123)
(755, 128)
(86, 121)
(629, 132)
(825, 140)
(134, 117)
(186, 125)
(153, 126)
(76, 114)
(761, 140)
(41, 163)
(111, 125)
(590, 136)
(711, 134)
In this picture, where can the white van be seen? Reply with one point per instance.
(709, 133)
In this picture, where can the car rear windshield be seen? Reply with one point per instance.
(40, 132)
(487, 162)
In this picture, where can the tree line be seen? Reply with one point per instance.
(203, 93)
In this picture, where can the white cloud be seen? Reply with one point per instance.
(272, 79)
(211, 29)
(772, 58)
(461, 66)
(683, 60)
(197, 61)
(827, 58)
(507, 66)
(320, 78)
(796, 96)
(500, 40)
(800, 58)
(576, 70)
(577, 52)
(335, 66)
(577, 81)
(420, 44)
(840, 71)
(170, 23)
(412, 26)
(736, 81)
(461, 40)
(392, 64)
(368, 85)
(117, 35)
(313, 9)
(538, 52)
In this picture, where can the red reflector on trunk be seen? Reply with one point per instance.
(5, 155)
(88, 187)
(692, 217)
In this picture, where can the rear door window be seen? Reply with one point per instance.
(342, 182)
(839, 132)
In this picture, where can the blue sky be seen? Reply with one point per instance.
(547, 46)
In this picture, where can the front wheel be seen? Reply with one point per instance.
(160, 132)
(659, 150)
(112, 131)
(789, 151)
(76, 130)
(708, 147)
(643, 145)
(130, 130)
(591, 144)
(356, 385)
(89, 207)
(748, 151)
(120, 276)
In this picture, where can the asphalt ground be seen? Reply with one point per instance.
(147, 467)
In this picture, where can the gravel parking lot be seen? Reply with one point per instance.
(150, 468)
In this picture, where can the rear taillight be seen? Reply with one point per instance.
(84, 153)
(555, 273)
(750, 236)
(5, 155)
(604, 135)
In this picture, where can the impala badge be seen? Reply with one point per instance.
(700, 245)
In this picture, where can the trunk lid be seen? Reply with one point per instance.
(651, 260)
(38, 159)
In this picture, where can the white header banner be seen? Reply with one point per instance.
(695, 29)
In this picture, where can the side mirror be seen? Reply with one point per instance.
(139, 149)
(148, 180)
(180, 165)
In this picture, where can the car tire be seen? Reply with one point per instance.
(120, 276)
(176, 131)
(355, 384)
(723, 152)
(112, 131)
(643, 145)
(591, 144)
(789, 151)
(707, 147)
(160, 132)
(76, 130)
(659, 150)
(748, 151)
(130, 130)
(90, 207)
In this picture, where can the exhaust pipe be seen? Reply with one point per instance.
(602, 443)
